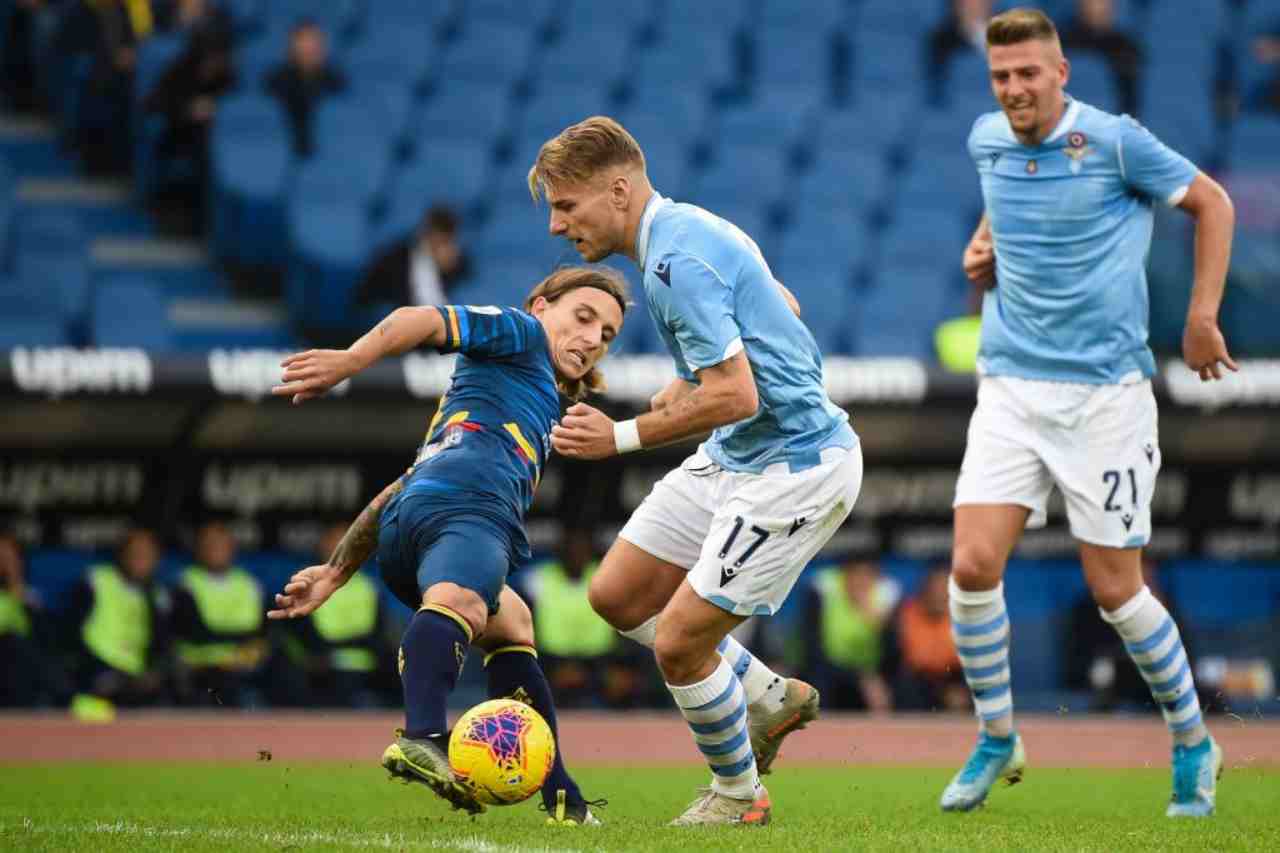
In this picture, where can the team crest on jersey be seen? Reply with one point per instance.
(1032, 168)
(1077, 149)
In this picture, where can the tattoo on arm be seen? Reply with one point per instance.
(361, 537)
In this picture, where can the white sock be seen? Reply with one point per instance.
(765, 689)
(1151, 638)
(980, 628)
(716, 710)
(643, 633)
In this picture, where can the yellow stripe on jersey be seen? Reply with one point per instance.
(435, 419)
(514, 429)
(453, 327)
(456, 418)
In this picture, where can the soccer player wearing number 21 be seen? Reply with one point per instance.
(724, 536)
(1065, 396)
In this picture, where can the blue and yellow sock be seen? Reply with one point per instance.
(980, 628)
(1152, 640)
(514, 672)
(432, 653)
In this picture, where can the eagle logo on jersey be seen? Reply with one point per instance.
(1032, 168)
(1077, 149)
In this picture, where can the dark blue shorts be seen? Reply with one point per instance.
(422, 543)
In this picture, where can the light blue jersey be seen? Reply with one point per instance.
(1071, 220)
(711, 295)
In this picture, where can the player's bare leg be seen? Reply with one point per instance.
(629, 590)
(714, 703)
(513, 670)
(985, 535)
(1150, 636)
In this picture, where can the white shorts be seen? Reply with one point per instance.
(745, 538)
(1097, 443)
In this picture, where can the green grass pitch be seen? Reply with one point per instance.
(277, 806)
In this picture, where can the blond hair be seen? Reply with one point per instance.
(566, 280)
(1019, 25)
(580, 152)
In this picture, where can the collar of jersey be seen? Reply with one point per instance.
(646, 222)
(1068, 120)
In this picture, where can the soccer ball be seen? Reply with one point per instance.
(502, 750)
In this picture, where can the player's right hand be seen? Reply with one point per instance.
(980, 263)
(305, 592)
(310, 374)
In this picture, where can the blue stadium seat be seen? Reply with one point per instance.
(897, 313)
(493, 55)
(822, 284)
(1253, 141)
(534, 14)
(683, 118)
(30, 331)
(1185, 124)
(629, 17)
(1215, 596)
(856, 180)
(518, 231)
(391, 104)
(556, 106)
(790, 57)
(931, 235)
(155, 56)
(252, 160)
(583, 55)
(444, 171)
(942, 133)
(754, 175)
(775, 122)
(405, 50)
(131, 312)
(328, 247)
(331, 178)
(874, 128)
(913, 17)
(1092, 82)
(947, 178)
(823, 237)
(501, 282)
(886, 64)
(476, 114)
(815, 15)
(686, 61)
(255, 58)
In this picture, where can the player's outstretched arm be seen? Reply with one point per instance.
(312, 587)
(725, 394)
(310, 374)
(1203, 347)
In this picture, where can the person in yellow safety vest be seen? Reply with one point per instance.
(843, 627)
(956, 340)
(119, 617)
(346, 641)
(577, 647)
(28, 677)
(219, 624)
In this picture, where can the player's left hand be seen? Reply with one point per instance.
(584, 433)
(310, 374)
(1204, 349)
(305, 592)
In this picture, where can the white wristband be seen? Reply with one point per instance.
(626, 435)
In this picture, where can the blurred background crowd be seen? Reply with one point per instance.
(184, 175)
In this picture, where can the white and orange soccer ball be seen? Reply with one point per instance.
(502, 750)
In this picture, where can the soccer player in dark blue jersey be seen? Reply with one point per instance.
(447, 532)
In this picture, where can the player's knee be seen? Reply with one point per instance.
(609, 602)
(1111, 592)
(466, 603)
(512, 626)
(975, 566)
(678, 653)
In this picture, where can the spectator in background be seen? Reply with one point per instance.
(419, 271)
(1266, 95)
(196, 18)
(844, 622)
(576, 647)
(1096, 658)
(18, 63)
(346, 640)
(187, 96)
(929, 676)
(218, 625)
(119, 618)
(965, 29)
(119, 27)
(1094, 30)
(304, 80)
(28, 677)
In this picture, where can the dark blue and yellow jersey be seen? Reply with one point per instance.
(487, 444)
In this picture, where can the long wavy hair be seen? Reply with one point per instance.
(566, 280)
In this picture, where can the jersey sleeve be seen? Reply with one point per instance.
(1151, 167)
(697, 306)
(487, 331)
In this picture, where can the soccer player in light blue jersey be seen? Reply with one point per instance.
(1065, 396)
(724, 536)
